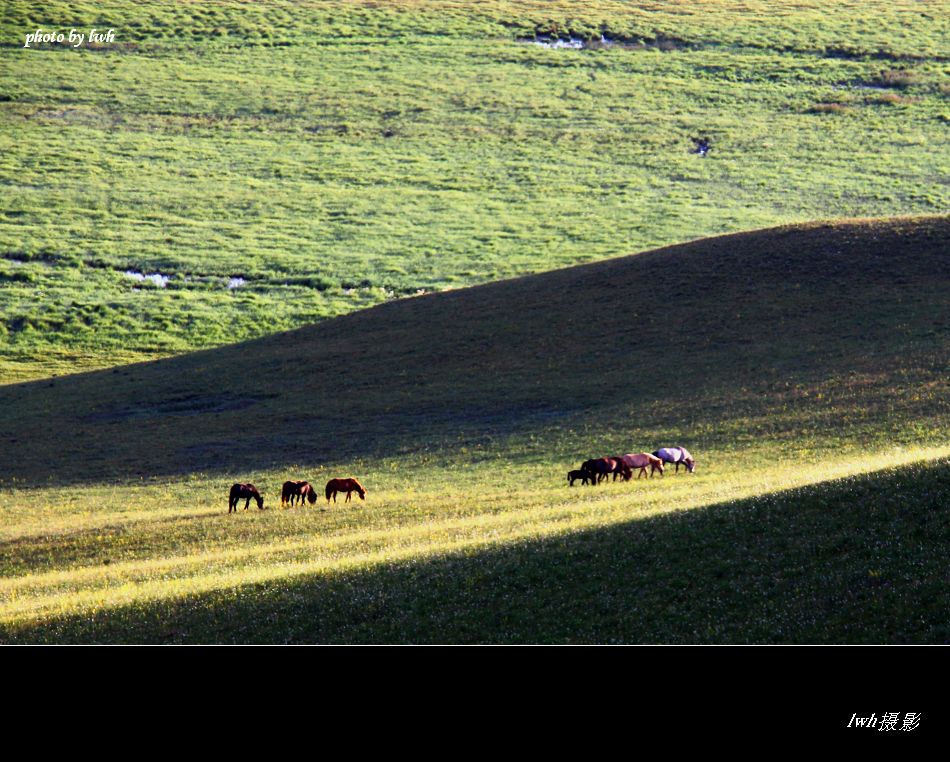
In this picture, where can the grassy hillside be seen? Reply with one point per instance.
(284, 162)
(790, 360)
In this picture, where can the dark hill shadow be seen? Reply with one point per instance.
(861, 560)
(707, 332)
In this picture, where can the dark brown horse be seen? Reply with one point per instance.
(347, 486)
(246, 491)
(599, 469)
(299, 489)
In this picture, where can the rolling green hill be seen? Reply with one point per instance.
(282, 162)
(791, 361)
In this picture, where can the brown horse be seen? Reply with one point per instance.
(247, 491)
(300, 489)
(622, 470)
(347, 486)
(642, 460)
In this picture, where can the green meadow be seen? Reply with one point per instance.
(405, 242)
(336, 155)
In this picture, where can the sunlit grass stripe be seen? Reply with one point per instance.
(33, 597)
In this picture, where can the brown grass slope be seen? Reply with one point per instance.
(780, 333)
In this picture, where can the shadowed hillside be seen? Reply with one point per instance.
(776, 333)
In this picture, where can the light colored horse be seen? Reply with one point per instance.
(677, 455)
(642, 460)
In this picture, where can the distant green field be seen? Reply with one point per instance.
(336, 155)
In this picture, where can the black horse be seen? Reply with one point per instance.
(573, 476)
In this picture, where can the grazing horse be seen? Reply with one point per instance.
(573, 476)
(599, 469)
(347, 486)
(677, 455)
(293, 490)
(622, 470)
(244, 490)
(641, 460)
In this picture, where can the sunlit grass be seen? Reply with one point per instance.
(129, 547)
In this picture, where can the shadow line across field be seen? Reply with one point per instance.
(856, 560)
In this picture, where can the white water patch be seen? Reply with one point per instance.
(236, 282)
(573, 43)
(861, 86)
(157, 278)
(576, 43)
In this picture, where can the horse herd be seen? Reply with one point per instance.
(591, 472)
(594, 471)
(292, 491)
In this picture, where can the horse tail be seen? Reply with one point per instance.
(329, 483)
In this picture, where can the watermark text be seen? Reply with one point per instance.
(74, 38)
(887, 721)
